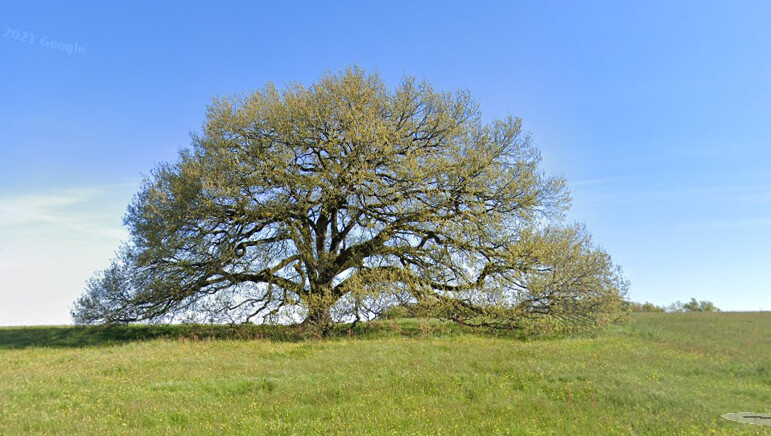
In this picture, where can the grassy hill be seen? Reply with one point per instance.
(659, 374)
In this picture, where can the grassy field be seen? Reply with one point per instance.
(660, 374)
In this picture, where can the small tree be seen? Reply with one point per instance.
(694, 306)
(644, 307)
(335, 201)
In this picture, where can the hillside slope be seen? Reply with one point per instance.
(660, 374)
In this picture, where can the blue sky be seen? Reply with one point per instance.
(658, 113)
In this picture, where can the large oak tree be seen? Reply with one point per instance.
(322, 200)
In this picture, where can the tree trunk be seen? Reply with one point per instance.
(319, 304)
(320, 318)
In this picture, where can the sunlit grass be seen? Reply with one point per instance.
(661, 374)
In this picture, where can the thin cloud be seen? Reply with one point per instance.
(4, 265)
(599, 182)
(732, 224)
(74, 213)
(752, 194)
(614, 190)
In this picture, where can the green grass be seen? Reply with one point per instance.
(659, 374)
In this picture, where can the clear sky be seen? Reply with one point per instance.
(658, 113)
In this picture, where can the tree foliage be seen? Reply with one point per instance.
(646, 307)
(693, 306)
(335, 201)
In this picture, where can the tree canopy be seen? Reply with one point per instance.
(331, 202)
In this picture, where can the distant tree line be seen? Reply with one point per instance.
(678, 306)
